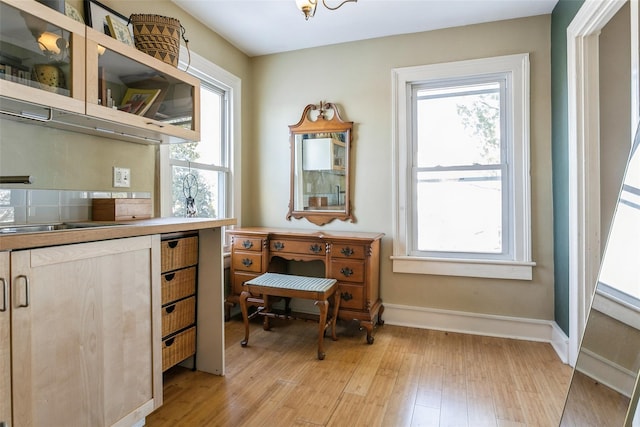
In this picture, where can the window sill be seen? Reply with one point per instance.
(466, 268)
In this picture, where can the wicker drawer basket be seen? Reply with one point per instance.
(178, 348)
(178, 316)
(178, 284)
(179, 253)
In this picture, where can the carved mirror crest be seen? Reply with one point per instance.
(320, 165)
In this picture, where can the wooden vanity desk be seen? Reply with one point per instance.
(353, 259)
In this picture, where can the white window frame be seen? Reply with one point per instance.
(520, 265)
(210, 72)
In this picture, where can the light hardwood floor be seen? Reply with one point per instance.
(408, 377)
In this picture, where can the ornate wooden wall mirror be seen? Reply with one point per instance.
(320, 165)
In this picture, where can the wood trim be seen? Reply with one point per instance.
(584, 192)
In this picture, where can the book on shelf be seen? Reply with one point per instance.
(138, 101)
(149, 81)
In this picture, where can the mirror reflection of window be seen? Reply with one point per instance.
(620, 265)
(322, 171)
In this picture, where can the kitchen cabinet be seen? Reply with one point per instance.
(41, 59)
(353, 259)
(84, 346)
(323, 154)
(117, 70)
(5, 349)
(179, 265)
(80, 81)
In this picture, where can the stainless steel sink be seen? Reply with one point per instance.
(39, 228)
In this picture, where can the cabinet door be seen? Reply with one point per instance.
(41, 59)
(5, 349)
(128, 86)
(83, 326)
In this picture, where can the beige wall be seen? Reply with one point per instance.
(357, 76)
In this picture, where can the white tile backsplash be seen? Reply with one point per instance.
(46, 206)
(43, 198)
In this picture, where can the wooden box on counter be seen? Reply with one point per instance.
(120, 209)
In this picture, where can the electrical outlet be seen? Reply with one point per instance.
(121, 177)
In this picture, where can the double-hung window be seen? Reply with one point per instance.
(200, 170)
(462, 169)
(204, 171)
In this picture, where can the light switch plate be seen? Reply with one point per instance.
(121, 177)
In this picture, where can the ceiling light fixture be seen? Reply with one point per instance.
(308, 7)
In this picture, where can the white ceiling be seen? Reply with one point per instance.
(259, 27)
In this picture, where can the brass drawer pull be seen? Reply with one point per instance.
(278, 246)
(247, 262)
(169, 277)
(315, 248)
(346, 251)
(170, 309)
(173, 244)
(346, 271)
(247, 244)
(346, 296)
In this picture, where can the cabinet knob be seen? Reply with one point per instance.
(278, 246)
(346, 296)
(346, 271)
(247, 262)
(315, 248)
(247, 244)
(346, 251)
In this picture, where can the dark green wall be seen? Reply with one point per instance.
(561, 17)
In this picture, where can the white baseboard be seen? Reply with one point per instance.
(606, 372)
(479, 324)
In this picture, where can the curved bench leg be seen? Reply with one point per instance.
(324, 308)
(245, 316)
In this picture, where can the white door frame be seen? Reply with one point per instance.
(584, 159)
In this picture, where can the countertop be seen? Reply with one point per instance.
(109, 230)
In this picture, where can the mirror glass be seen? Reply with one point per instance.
(604, 387)
(320, 166)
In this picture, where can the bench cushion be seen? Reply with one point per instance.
(288, 281)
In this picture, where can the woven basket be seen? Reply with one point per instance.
(178, 316)
(178, 348)
(158, 36)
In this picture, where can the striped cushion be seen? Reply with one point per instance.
(287, 281)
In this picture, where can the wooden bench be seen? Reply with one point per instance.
(289, 286)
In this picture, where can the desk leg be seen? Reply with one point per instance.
(245, 316)
(336, 307)
(266, 309)
(324, 308)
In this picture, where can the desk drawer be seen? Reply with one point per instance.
(178, 316)
(178, 284)
(238, 279)
(348, 251)
(346, 270)
(178, 348)
(247, 261)
(243, 243)
(179, 253)
(351, 296)
(308, 247)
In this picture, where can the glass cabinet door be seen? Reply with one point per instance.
(41, 57)
(133, 88)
